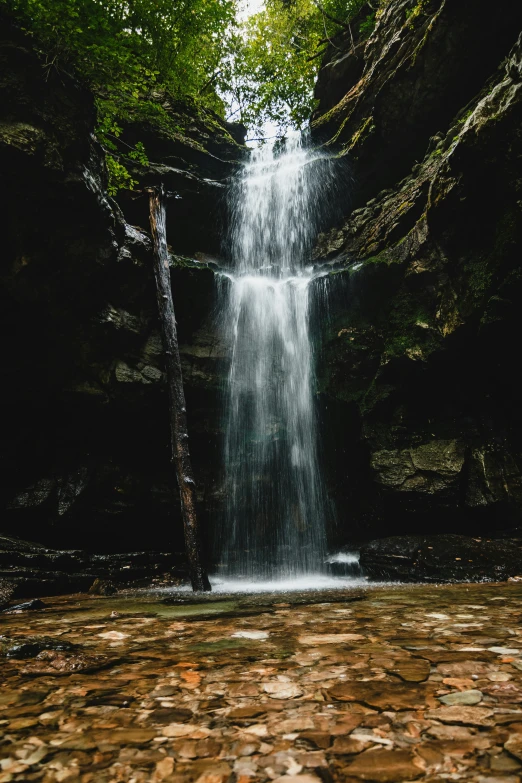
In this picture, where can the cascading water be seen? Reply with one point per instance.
(275, 506)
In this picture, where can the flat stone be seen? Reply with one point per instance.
(127, 736)
(317, 739)
(294, 724)
(505, 650)
(240, 689)
(245, 713)
(22, 723)
(498, 779)
(331, 638)
(457, 748)
(514, 745)
(305, 778)
(455, 656)
(170, 715)
(466, 698)
(505, 692)
(449, 732)
(382, 694)
(282, 690)
(257, 729)
(504, 762)
(469, 716)
(386, 766)
(81, 741)
(412, 670)
(463, 668)
(177, 730)
(347, 746)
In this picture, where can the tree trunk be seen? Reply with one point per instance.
(178, 411)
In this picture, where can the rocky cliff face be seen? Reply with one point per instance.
(419, 363)
(85, 435)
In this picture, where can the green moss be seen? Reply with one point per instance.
(384, 257)
(340, 130)
(183, 261)
(332, 114)
(366, 128)
(478, 278)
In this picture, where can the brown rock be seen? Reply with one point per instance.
(506, 692)
(455, 656)
(294, 724)
(245, 713)
(22, 723)
(449, 732)
(504, 763)
(165, 715)
(459, 747)
(345, 746)
(375, 721)
(242, 689)
(513, 718)
(282, 690)
(386, 766)
(514, 745)
(412, 669)
(347, 723)
(469, 716)
(304, 778)
(462, 668)
(431, 756)
(245, 747)
(382, 694)
(330, 638)
(317, 739)
(80, 741)
(126, 736)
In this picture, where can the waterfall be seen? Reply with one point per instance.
(275, 504)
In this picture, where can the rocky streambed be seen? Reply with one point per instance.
(386, 683)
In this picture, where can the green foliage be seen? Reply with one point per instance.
(367, 26)
(140, 56)
(276, 54)
(270, 76)
(133, 54)
(119, 176)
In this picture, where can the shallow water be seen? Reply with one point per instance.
(384, 683)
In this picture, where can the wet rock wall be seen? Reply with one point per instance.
(85, 443)
(417, 363)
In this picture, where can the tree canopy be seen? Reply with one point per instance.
(132, 53)
(275, 56)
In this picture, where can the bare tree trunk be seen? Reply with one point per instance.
(178, 411)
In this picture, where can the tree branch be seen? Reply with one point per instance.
(329, 16)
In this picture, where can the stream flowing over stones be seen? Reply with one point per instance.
(275, 506)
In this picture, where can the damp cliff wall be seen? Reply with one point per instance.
(85, 439)
(418, 363)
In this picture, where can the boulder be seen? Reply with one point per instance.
(441, 558)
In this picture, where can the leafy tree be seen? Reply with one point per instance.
(276, 54)
(132, 53)
(137, 55)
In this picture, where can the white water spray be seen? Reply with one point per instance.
(275, 508)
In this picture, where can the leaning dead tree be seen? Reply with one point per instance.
(178, 412)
